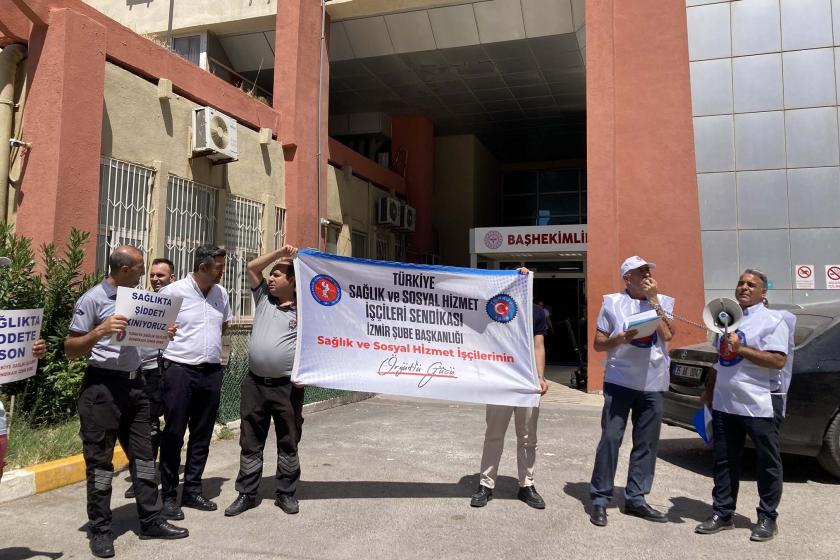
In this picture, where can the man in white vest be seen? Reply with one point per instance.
(635, 376)
(748, 397)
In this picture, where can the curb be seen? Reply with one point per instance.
(28, 481)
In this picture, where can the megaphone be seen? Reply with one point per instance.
(722, 315)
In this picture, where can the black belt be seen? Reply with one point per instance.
(271, 381)
(206, 366)
(112, 372)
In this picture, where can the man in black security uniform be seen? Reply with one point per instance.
(267, 391)
(113, 406)
(162, 274)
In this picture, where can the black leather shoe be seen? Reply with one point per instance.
(598, 516)
(102, 545)
(129, 493)
(765, 530)
(161, 529)
(480, 498)
(530, 496)
(241, 504)
(171, 510)
(645, 512)
(714, 524)
(288, 503)
(197, 501)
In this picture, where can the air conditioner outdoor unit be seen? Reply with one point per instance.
(388, 211)
(408, 217)
(214, 135)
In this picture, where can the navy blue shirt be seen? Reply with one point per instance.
(540, 324)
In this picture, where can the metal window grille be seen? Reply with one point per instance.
(381, 248)
(279, 227)
(190, 221)
(399, 247)
(124, 208)
(358, 242)
(243, 241)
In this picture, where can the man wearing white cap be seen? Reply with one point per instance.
(635, 376)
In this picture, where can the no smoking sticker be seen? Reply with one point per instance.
(832, 276)
(804, 275)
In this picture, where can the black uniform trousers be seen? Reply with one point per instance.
(190, 399)
(646, 409)
(153, 385)
(265, 399)
(729, 431)
(113, 407)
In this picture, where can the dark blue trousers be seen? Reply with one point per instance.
(645, 410)
(190, 399)
(729, 431)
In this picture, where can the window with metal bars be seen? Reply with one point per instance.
(382, 247)
(279, 227)
(243, 241)
(124, 208)
(358, 242)
(190, 221)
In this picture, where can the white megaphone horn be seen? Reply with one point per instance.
(722, 315)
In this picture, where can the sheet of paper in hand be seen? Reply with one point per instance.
(644, 322)
(19, 329)
(440, 332)
(149, 315)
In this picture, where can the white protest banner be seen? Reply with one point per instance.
(423, 331)
(149, 314)
(19, 329)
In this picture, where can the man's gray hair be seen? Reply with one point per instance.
(758, 273)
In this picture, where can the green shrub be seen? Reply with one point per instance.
(49, 396)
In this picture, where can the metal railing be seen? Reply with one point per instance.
(237, 368)
(124, 207)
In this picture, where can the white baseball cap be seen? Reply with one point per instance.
(634, 262)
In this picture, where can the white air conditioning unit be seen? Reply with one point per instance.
(388, 211)
(214, 135)
(408, 217)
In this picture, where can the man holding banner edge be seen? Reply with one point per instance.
(497, 418)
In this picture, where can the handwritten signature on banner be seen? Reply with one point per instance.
(394, 366)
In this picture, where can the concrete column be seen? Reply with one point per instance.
(63, 122)
(296, 83)
(157, 229)
(415, 134)
(642, 184)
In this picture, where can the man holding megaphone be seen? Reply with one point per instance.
(747, 395)
(635, 377)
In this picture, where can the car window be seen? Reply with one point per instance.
(806, 325)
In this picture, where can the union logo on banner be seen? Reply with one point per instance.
(325, 290)
(501, 308)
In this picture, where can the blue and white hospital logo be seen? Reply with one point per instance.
(501, 308)
(325, 290)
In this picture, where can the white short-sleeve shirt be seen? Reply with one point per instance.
(200, 320)
(742, 387)
(643, 363)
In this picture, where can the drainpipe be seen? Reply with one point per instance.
(10, 57)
